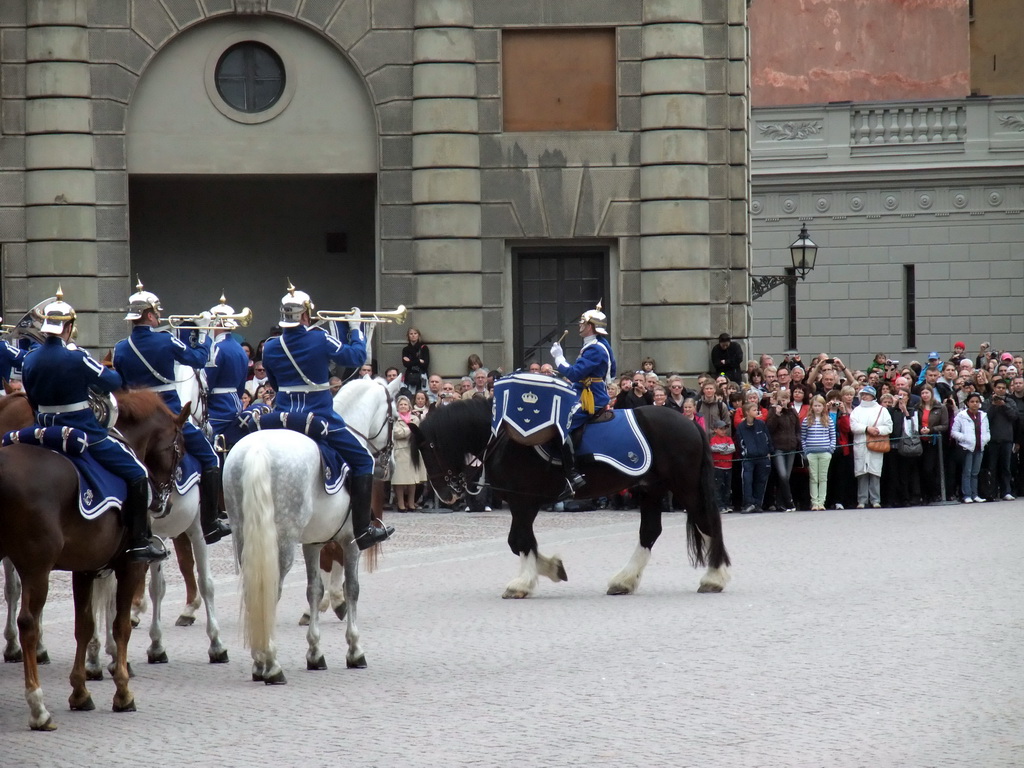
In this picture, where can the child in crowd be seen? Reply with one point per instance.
(755, 444)
(722, 450)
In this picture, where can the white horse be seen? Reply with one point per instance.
(274, 493)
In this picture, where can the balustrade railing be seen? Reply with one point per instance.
(895, 125)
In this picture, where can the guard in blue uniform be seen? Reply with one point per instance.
(146, 360)
(297, 364)
(226, 373)
(589, 375)
(11, 360)
(57, 378)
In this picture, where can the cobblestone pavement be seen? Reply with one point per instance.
(857, 638)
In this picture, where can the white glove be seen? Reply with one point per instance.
(556, 351)
(356, 316)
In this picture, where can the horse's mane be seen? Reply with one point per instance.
(459, 426)
(137, 405)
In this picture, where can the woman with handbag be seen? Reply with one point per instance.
(871, 426)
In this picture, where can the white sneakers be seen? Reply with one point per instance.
(978, 499)
(968, 500)
(1009, 497)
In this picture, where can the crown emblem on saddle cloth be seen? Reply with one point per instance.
(87, 497)
(529, 397)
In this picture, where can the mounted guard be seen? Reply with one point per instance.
(58, 378)
(590, 375)
(146, 360)
(226, 373)
(297, 364)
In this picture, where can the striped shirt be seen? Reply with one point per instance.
(816, 438)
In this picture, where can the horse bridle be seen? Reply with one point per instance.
(457, 481)
(161, 492)
(382, 457)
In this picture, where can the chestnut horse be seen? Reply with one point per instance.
(42, 530)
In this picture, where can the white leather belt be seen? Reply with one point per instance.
(163, 388)
(223, 391)
(305, 388)
(69, 408)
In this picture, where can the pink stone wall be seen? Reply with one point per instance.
(813, 51)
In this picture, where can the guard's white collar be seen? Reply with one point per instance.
(588, 340)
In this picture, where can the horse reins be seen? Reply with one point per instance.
(381, 457)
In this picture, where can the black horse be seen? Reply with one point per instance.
(681, 463)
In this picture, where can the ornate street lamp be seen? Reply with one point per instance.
(803, 251)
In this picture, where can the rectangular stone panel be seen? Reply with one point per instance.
(444, 116)
(59, 151)
(446, 150)
(60, 187)
(119, 46)
(675, 252)
(443, 290)
(57, 44)
(664, 217)
(445, 79)
(446, 220)
(436, 185)
(673, 10)
(107, 13)
(444, 13)
(661, 111)
(379, 47)
(673, 76)
(444, 45)
(394, 14)
(679, 146)
(447, 255)
(390, 83)
(57, 78)
(662, 41)
(60, 222)
(62, 257)
(674, 181)
(58, 115)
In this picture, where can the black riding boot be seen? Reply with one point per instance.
(365, 530)
(572, 477)
(142, 546)
(214, 529)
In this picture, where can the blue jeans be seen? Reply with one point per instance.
(755, 480)
(969, 478)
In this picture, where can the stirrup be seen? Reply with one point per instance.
(219, 530)
(151, 550)
(375, 533)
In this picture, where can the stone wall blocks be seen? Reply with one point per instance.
(629, 113)
(12, 226)
(284, 7)
(737, 12)
(673, 76)
(350, 23)
(444, 13)
(446, 220)
(488, 81)
(678, 321)
(737, 43)
(62, 257)
(445, 116)
(666, 111)
(379, 47)
(319, 13)
(12, 46)
(15, 260)
(43, 13)
(110, 81)
(59, 151)
(390, 83)
(665, 217)
(185, 12)
(12, 189)
(58, 116)
(395, 117)
(103, 13)
(737, 78)
(446, 150)
(119, 46)
(60, 222)
(444, 45)
(447, 255)
(57, 79)
(662, 41)
(629, 78)
(441, 290)
(395, 221)
(60, 187)
(691, 286)
(56, 44)
(395, 187)
(630, 43)
(500, 220)
(661, 252)
(660, 147)
(444, 80)
(111, 187)
(12, 116)
(151, 21)
(488, 42)
(443, 328)
(12, 153)
(622, 218)
(673, 11)
(673, 181)
(440, 185)
(396, 151)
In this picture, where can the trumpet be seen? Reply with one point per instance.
(177, 321)
(394, 316)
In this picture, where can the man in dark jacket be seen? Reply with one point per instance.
(1002, 421)
(727, 359)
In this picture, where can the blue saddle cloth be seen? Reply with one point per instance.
(617, 442)
(529, 402)
(334, 468)
(98, 489)
(187, 474)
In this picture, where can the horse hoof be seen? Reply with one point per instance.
(316, 666)
(515, 594)
(276, 679)
(185, 621)
(49, 725)
(43, 658)
(157, 658)
(85, 706)
(257, 677)
(709, 588)
(341, 610)
(135, 622)
(619, 589)
(15, 657)
(562, 575)
(359, 663)
(129, 707)
(304, 620)
(219, 657)
(92, 675)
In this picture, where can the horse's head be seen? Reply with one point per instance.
(448, 435)
(369, 410)
(154, 433)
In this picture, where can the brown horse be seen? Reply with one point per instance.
(41, 530)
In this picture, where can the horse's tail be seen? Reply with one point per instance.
(259, 556)
(709, 519)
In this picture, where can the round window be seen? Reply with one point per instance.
(250, 77)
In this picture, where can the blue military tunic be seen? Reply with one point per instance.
(297, 364)
(225, 380)
(57, 380)
(588, 375)
(11, 360)
(146, 360)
